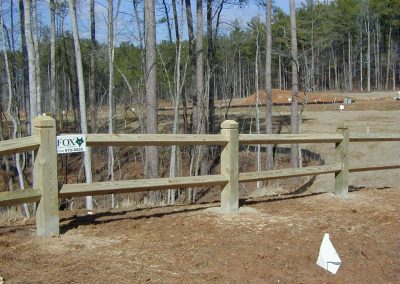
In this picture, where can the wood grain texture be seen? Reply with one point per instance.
(288, 138)
(342, 158)
(230, 166)
(373, 168)
(19, 145)
(374, 137)
(287, 173)
(9, 198)
(100, 188)
(45, 177)
(154, 139)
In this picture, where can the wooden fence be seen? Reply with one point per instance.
(45, 189)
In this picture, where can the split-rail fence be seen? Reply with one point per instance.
(45, 189)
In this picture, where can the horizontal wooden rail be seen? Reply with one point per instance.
(287, 173)
(289, 138)
(18, 145)
(100, 188)
(374, 137)
(373, 168)
(154, 139)
(9, 198)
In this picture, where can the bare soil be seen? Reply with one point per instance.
(273, 240)
(284, 97)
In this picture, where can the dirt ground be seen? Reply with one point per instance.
(273, 239)
(270, 241)
(370, 113)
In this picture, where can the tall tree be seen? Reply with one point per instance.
(11, 106)
(192, 56)
(82, 98)
(268, 83)
(256, 77)
(210, 68)
(294, 118)
(111, 99)
(34, 96)
(52, 58)
(92, 71)
(35, 38)
(151, 152)
(176, 95)
(25, 74)
(201, 102)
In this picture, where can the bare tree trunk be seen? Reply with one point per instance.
(350, 62)
(199, 107)
(111, 99)
(11, 105)
(368, 55)
(394, 73)
(177, 91)
(336, 69)
(192, 56)
(201, 103)
(52, 58)
(294, 118)
(397, 68)
(92, 73)
(312, 58)
(82, 98)
(34, 27)
(211, 71)
(25, 74)
(34, 102)
(388, 57)
(361, 60)
(268, 84)
(376, 69)
(151, 152)
(258, 154)
(280, 71)
(167, 20)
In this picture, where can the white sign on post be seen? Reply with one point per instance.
(73, 143)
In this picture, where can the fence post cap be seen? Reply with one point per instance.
(44, 121)
(229, 124)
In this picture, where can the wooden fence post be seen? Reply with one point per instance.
(230, 167)
(342, 158)
(45, 177)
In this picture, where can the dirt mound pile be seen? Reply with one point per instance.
(284, 97)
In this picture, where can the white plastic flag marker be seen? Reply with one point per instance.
(328, 257)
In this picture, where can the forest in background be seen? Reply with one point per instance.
(342, 45)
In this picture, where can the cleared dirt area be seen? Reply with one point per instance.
(271, 241)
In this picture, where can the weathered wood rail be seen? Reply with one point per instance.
(46, 193)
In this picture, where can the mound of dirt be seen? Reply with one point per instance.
(284, 97)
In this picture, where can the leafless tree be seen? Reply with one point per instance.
(92, 73)
(151, 152)
(34, 96)
(294, 121)
(11, 108)
(268, 84)
(82, 98)
(52, 58)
